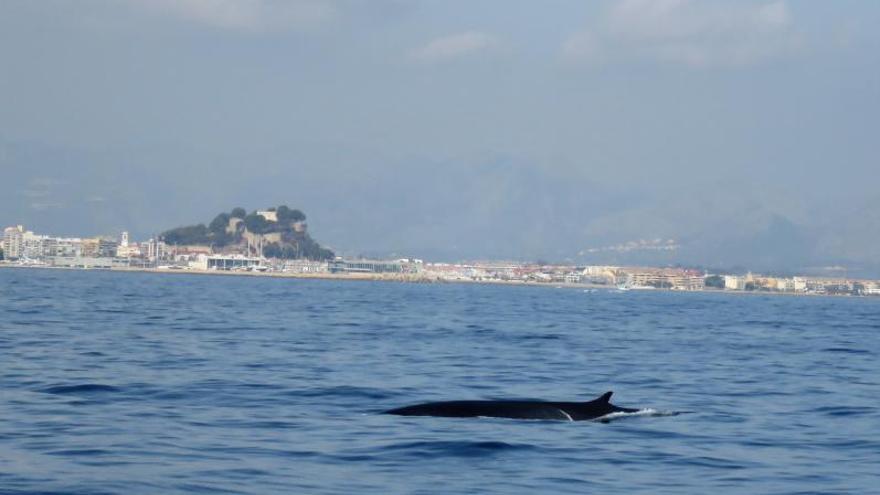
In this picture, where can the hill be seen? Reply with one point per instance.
(278, 232)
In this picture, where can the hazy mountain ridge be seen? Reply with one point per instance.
(438, 209)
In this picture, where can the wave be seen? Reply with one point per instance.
(342, 391)
(429, 449)
(839, 411)
(84, 388)
(847, 350)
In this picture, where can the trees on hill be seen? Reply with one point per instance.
(286, 215)
(189, 235)
(304, 247)
(296, 243)
(257, 224)
(219, 223)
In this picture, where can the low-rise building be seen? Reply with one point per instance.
(304, 266)
(81, 262)
(664, 278)
(364, 266)
(226, 262)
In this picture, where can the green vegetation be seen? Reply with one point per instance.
(308, 249)
(285, 214)
(1, 254)
(229, 230)
(192, 234)
(219, 223)
(256, 224)
(716, 281)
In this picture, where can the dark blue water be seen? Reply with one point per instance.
(146, 383)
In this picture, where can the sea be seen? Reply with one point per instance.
(147, 383)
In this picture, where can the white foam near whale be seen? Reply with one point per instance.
(647, 412)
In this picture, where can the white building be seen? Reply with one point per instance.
(600, 274)
(305, 266)
(33, 245)
(13, 242)
(221, 262)
(364, 266)
(734, 282)
(269, 215)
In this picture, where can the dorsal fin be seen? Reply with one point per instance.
(605, 397)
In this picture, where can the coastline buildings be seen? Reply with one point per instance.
(645, 277)
(19, 243)
(26, 248)
(125, 249)
(24, 245)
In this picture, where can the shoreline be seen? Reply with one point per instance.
(418, 279)
(363, 277)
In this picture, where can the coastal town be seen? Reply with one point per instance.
(24, 248)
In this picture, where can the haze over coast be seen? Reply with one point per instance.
(236, 234)
(742, 132)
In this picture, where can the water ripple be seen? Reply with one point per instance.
(143, 384)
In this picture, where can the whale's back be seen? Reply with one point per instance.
(484, 408)
(516, 409)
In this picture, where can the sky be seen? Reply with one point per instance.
(737, 134)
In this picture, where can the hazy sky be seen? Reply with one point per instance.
(724, 133)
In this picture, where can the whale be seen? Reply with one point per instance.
(516, 409)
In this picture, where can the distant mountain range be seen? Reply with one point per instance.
(503, 208)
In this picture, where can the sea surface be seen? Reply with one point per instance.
(139, 383)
